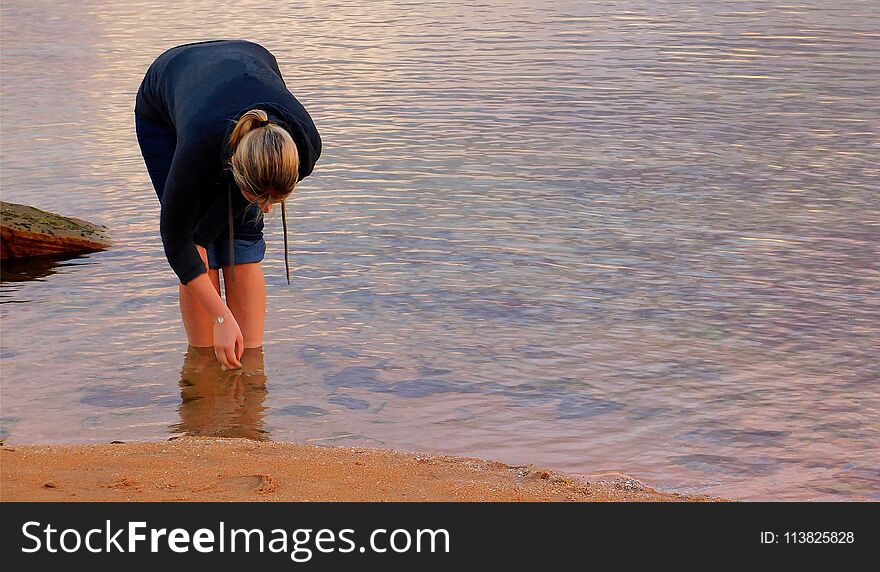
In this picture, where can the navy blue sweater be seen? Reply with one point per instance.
(199, 90)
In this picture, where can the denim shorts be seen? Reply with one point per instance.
(246, 250)
(158, 143)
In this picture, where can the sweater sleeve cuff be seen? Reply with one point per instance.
(202, 240)
(191, 273)
(186, 263)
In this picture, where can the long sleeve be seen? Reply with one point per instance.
(185, 190)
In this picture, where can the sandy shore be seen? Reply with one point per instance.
(209, 469)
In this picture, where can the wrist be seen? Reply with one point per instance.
(221, 317)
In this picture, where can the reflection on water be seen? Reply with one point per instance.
(22, 270)
(625, 236)
(222, 403)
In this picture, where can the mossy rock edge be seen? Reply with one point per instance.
(28, 232)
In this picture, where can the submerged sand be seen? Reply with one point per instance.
(214, 469)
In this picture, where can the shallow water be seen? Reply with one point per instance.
(624, 236)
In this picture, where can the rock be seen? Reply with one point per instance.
(26, 231)
(531, 472)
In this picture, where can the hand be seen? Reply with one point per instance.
(228, 342)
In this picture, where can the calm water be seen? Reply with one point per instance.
(624, 236)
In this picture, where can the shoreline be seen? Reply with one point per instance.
(193, 469)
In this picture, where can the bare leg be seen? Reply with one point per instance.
(246, 297)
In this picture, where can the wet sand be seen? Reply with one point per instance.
(214, 469)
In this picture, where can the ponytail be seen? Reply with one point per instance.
(267, 159)
(245, 125)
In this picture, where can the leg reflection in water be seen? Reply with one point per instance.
(222, 403)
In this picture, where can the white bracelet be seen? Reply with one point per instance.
(220, 319)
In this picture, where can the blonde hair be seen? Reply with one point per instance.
(266, 160)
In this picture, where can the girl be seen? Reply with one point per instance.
(223, 140)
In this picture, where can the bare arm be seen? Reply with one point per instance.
(228, 340)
